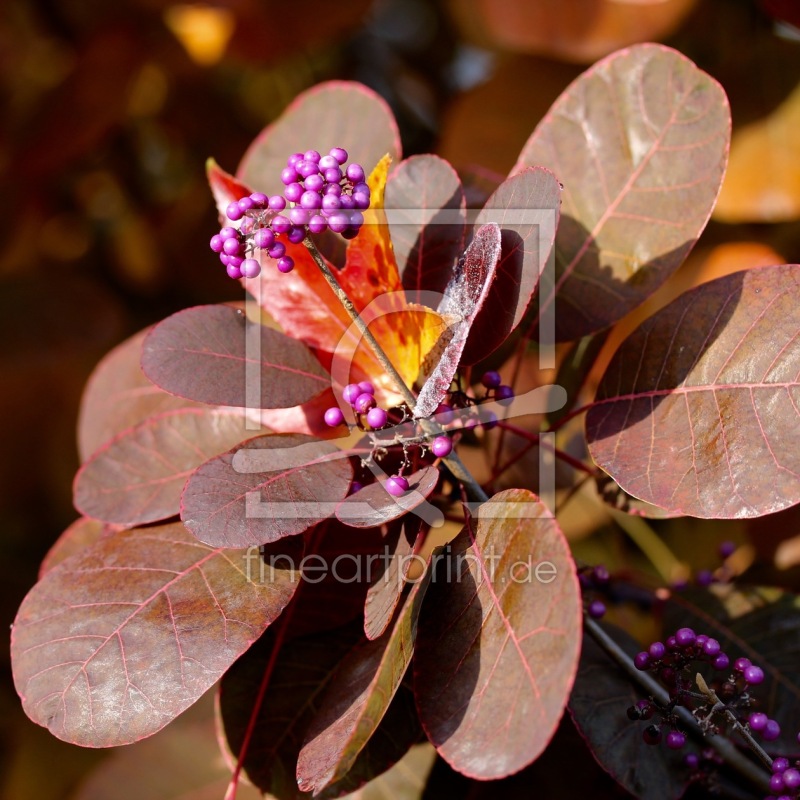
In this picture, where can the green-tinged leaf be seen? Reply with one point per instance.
(640, 142)
(698, 411)
(404, 781)
(118, 396)
(601, 696)
(332, 114)
(303, 669)
(118, 640)
(358, 697)
(216, 355)
(265, 489)
(498, 639)
(138, 476)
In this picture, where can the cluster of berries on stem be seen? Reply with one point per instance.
(320, 194)
(593, 579)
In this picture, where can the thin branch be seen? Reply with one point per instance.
(725, 748)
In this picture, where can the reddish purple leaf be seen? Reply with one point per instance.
(138, 476)
(358, 697)
(699, 408)
(76, 537)
(463, 299)
(499, 637)
(387, 587)
(373, 505)
(426, 210)
(268, 488)
(121, 638)
(332, 114)
(119, 396)
(526, 207)
(216, 355)
(599, 699)
(303, 670)
(640, 142)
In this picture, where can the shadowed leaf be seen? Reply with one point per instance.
(358, 697)
(427, 218)
(698, 410)
(138, 477)
(303, 670)
(119, 396)
(214, 354)
(373, 505)
(268, 488)
(640, 142)
(463, 299)
(121, 638)
(332, 114)
(599, 700)
(498, 646)
(526, 207)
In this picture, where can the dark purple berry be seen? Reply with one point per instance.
(366, 386)
(285, 264)
(334, 417)
(489, 420)
(776, 783)
(601, 575)
(376, 418)
(633, 713)
(646, 709)
(675, 740)
(277, 250)
(491, 379)
(296, 235)
(657, 650)
(727, 549)
(704, 577)
(780, 764)
(351, 392)
(332, 174)
(596, 609)
(364, 402)
(503, 393)
(355, 486)
(753, 675)
(757, 721)
(771, 731)
(741, 664)
(250, 268)
(397, 485)
(691, 760)
(791, 778)
(671, 643)
(642, 661)
(652, 735)
(441, 446)
(444, 414)
(711, 647)
(685, 637)
(721, 662)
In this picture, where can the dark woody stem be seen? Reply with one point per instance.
(454, 463)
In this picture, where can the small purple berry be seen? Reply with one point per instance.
(228, 233)
(757, 721)
(307, 168)
(791, 778)
(601, 575)
(333, 189)
(312, 155)
(361, 200)
(259, 199)
(657, 650)
(317, 224)
(642, 661)
(281, 224)
(364, 402)
(397, 485)
(245, 204)
(340, 154)
(250, 268)
(355, 173)
(346, 203)
(310, 200)
(233, 261)
(489, 420)
(233, 271)
(216, 243)
(711, 647)
(366, 386)
(232, 247)
(334, 417)
(727, 549)
(288, 175)
(326, 162)
(351, 392)
(491, 379)
(362, 188)
(691, 760)
(299, 216)
(442, 446)
(332, 174)
(721, 662)
(503, 393)
(338, 222)
(753, 675)
(444, 414)
(676, 740)
(646, 709)
(700, 640)
(277, 202)
(285, 264)
(331, 203)
(671, 643)
(376, 418)
(356, 219)
(776, 783)
(685, 637)
(704, 577)
(741, 664)
(278, 250)
(296, 235)
(652, 735)
(233, 211)
(596, 609)
(355, 486)
(294, 158)
(772, 731)
(780, 764)
(314, 183)
(294, 191)
(264, 238)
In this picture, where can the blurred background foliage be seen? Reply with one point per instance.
(109, 112)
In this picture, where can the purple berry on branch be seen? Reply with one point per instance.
(355, 173)
(676, 740)
(757, 721)
(317, 224)
(264, 238)
(753, 675)
(259, 199)
(377, 418)
(294, 158)
(289, 175)
(685, 637)
(780, 764)
(296, 235)
(691, 760)
(397, 485)
(233, 272)
(285, 264)
(327, 162)
(277, 202)
(334, 417)
(245, 204)
(711, 647)
(704, 578)
(293, 192)
(232, 247)
(596, 609)
(791, 778)
(280, 223)
(642, 661)
(721, 662)
(216, 243)
(503, 394)
(312, 155)
(314, 183)
(727, 549)
(491, 379)
(657, 650)
(444, 414)
(442, 446)
(278, 250)
(351, 392)
(363, 403)
(250, 268)
(771, 731)
(366, 387)
(340, 154)
(233, 212)
(741, 664)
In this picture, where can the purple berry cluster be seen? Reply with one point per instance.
(320, 194)
(592, 580)
(784, 782)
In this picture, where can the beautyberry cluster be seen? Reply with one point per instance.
(592, 580)
(785, 780)
(321, 194)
